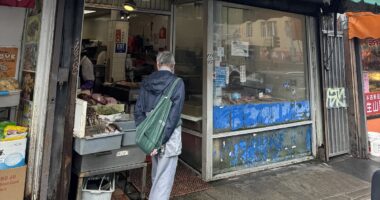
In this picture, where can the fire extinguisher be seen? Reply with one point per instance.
(162, 34)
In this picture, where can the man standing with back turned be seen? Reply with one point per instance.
(164, 160)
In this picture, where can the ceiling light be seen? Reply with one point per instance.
(129, 5)
(89, 11)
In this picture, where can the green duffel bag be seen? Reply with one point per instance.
(150, 132)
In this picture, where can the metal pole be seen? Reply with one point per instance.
(207, 108)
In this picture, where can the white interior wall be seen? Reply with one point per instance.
(96, 29)
(147, 25)
(11, 29)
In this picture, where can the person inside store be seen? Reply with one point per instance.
(86, 72)
(164, 160)
(102, 56)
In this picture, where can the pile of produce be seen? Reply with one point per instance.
(8, 84)
(97, 99)
(98, 107)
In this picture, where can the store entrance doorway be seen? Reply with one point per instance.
(122, 46)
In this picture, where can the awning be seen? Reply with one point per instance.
(363, 25)
(18, 3)
(305, 7)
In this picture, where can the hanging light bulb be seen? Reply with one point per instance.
(129, 5)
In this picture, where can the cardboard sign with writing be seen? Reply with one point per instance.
(8, 61)
(12, 183)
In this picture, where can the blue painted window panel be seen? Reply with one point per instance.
(247, 116)
(237, 117)
(252, 150)
(222, 118)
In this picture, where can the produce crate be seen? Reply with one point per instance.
(125, 156)
(98, 187)
(129, 132)
(9, 98)
(97, 143)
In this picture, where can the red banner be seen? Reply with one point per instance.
(372, 103)
(18, 3)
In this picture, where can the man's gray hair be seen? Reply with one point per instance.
(165, 58)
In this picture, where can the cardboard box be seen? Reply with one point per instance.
(12, 183)
(12, 153)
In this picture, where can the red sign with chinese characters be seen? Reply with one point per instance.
(372, 103)
(18, 3)
(118, 36)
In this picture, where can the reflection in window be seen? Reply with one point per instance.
(268, 29)
(259, 66)
(249, 29)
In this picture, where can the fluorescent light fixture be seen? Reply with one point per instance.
(129, 5)
(89, 11)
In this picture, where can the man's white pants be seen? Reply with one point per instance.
(163, 173)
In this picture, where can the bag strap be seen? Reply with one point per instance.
(168, 93)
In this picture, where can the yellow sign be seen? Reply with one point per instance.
(8, 61)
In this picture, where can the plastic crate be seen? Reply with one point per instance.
(110, 159)
(97, 143)
(99, 193)
(129, 132)
(9, 98)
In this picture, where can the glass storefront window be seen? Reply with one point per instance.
(260, 73)
(189, 57)
(370, 57)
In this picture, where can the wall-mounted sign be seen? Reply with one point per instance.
(18, 3)
(8, 61)
(372, 103)
(120, 47)
(239, 48)
(118, 36)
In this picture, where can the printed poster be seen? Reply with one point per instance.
(33, 29)
(220, 77)
(118, 36)
(30, 57)
(8, 61)
(28, 86)
(120, 47)
(220, 52)
(365, 82)
(372, 103)
(37, 8)
(239, 48)
(243, 74)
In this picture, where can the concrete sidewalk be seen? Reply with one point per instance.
(340, 179)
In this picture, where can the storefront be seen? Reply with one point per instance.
(252, 87)
(251, 71)
(364, 53)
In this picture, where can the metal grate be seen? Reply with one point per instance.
(334, 85)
